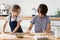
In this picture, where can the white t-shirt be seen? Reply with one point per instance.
(12, 19)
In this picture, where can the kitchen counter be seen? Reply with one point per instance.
(27, 36)
(28, 17)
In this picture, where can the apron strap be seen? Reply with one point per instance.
(10, 18)
(15, 18)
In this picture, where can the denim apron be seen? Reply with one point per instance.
(13, 25)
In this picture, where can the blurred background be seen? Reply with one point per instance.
(28, 9)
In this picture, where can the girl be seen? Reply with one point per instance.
(14, 20)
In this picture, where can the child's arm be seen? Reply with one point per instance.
(48, 28)
(17, 27)
(4, 26)
(30, 27)
(31, 24)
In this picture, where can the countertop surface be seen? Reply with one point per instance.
(31, 36)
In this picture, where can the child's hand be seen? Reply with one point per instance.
(45, 32)
(3, 32)
(11, 33)
(27, 32)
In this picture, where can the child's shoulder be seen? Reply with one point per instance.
(8, 18)
(8, 15)
(47, 17)
(35, 16)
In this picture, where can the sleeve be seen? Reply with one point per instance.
(8, 18)
(48, 20)
(19, 18)
(33, 20)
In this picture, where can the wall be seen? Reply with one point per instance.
(27, 5)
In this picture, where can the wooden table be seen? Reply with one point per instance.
(31, 37)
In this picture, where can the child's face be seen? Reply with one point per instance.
(40, 14)
(17, 12)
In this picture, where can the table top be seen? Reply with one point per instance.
(31, 36)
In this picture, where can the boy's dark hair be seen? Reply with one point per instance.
(43, 9)
(16, 7)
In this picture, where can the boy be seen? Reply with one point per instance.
(41, 21)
